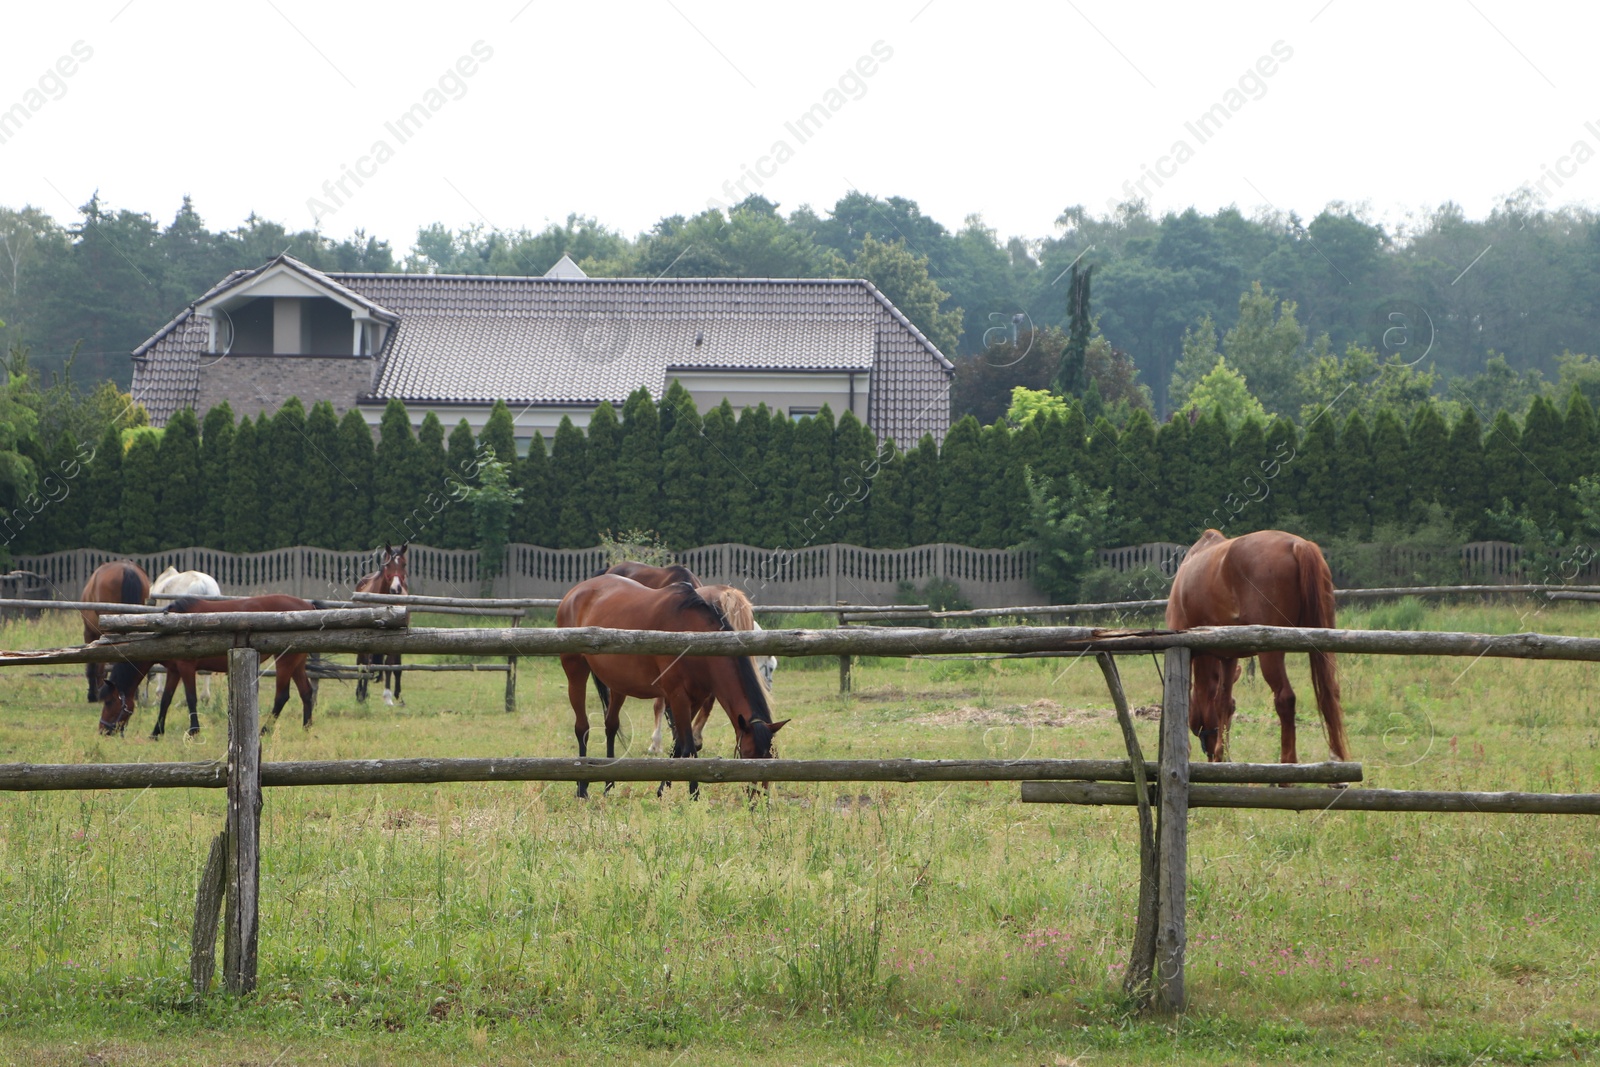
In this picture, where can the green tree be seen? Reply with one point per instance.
(1224, 392)
(1316, 476)
(1101, 455)
(1357, 474)
(924, 488)
(604, 453)
(1211, 482)
(1504, 472)
(1264, 346)
(280, 443)
(1427, 459)
(533, 522)
(639, 463)
(323, 485)
(854, 449)
(500, 434)
(778, 486)
(889, 514)
(1546, 461)
(242, 525)
(1030, 404)
(178, 478)
(962, 472)
(1165, 514)
(457, 527)
(103, 484)
(811, 455)
(216, 446)
(902, 276)
(746, 506)
(431, 469)
(1466, 488)
(1071, 373)
(1066, 531)
(1200, 357)
(1139, 483)
(1392, 493)
(569, 485)
(1282, 448)
(356, 528)
(723, 479)
(1249, 504)
(395, 490)
(493, 502)
(141, 482)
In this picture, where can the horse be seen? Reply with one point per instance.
(390, 577)
(741, 614)
(119, 694)
(174, 583)
(119, 582)
(684, 681)
(734, 604)
(1268, 578)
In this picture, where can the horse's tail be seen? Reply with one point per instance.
(1317, 611)
(601, 691)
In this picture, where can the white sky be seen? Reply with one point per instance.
(629, 111)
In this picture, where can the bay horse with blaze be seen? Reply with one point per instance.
(1268, 578)
(119, 582)
(119, 694)
(390, 577)
(683, 681)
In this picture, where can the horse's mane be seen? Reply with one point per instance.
(690, 599)
(124, 677)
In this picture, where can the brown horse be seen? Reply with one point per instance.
(683, 681)
(1269, 578)
(740, 613)
(390, 577)
(118, 582)
(119, 694)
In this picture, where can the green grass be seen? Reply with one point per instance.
(829, 924)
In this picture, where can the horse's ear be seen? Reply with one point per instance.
(387, 548)
(780, 725)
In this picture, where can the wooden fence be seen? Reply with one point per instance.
(818, 574)
(1166, 789)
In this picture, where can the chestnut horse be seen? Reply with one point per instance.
(683, 681)
(1268, 578)
(390, 577)
(118, 695)
(119, 582)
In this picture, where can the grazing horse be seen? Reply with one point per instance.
(118, 582)
(118, 695)
(683, 681)
(390, 577)
(734, 604)
(1269, 578)
(175, 583)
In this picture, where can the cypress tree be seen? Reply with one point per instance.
(1356, 476)
(962, 471)
(1427, 457)
(324, 488)
(394, 486)
(569, 490)
(1211, 480)
(1504, 472)
(605, 445)
(431, 467)
(1100, 457)
(357, 460)
(777, 487)
(1316, 475)
(455, 525)
(178, 479)
(853, 451)
(639, 463)
(103, 484)
(723, 478)
(141, 481)
(1582, 437)
(241, 531)
(1282, 449)
(1544, 464)
(888, 516)
(216, 445)
(1139, 484)
(281, 444)
(1248, 481)
(1391, 490)
(500, 434)
(1465, 491)
(61, 521)
(811, 455)
(752, 437)
(924, 491)
(999, 484)
(1166, 514)
(534, 522)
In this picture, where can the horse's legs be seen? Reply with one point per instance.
(701, 714)
(397, 676)
(1272, 670)
(613, 722)
(293, 669)
(1225, 705)
(93, 672)
(188, 674)
(681, 708)
(655, 738)
(362, 660)
(167, 691)
(577, 669)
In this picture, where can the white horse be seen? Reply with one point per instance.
(736, 606)
(174, 582)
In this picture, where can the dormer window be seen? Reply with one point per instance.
(286, 309)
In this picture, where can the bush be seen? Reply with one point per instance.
(1107, 585)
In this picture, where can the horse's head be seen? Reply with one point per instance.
(755, 737)
(118, 697)
(1211, 703)
(392, 573)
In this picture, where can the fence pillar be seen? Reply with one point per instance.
(846, 682)
(1173, 833)
(207, 912)
(1141, 966)
(244, 822)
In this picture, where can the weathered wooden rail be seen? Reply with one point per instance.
(1163, 790)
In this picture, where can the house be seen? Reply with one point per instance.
(550, 346)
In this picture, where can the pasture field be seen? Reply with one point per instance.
(511, 923)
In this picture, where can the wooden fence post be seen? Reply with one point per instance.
(207, 912)
(846, 682)
(1141, 965)
(1173, 833)
(511, 675)
(244, 822)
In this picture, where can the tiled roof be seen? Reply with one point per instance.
(568, 340)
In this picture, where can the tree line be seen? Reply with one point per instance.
(755, 476)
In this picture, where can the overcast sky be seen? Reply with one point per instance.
(630, 111)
